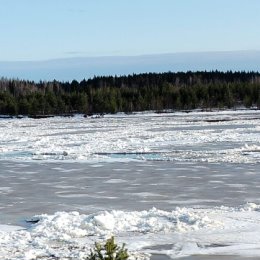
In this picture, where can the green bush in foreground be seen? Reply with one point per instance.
(109, 251)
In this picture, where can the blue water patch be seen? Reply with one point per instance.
(149, 156)
(16, 155)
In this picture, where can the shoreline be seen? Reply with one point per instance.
(157, 112)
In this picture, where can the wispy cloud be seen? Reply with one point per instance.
(79, 67)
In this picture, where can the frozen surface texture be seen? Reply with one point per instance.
(185, 231)
(206, 136)
(181, 185)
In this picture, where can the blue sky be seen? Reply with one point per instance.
(49, 29)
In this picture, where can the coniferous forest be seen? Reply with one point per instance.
(148, 91)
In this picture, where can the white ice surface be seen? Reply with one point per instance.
(9, 228)
(214, 137)
(226, 136)
(186, 231)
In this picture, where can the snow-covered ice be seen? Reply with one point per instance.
(216, 231)
(178, 184)
(227, 136)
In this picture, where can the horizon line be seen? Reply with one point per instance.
(131, 56)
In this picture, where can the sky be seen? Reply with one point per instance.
(34, 30)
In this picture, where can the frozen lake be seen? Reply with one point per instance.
(180, 184)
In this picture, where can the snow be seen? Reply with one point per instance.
(188, 231)
(210, 153)
(9, 228)
(225, 136)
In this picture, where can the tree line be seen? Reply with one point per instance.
(136, 92)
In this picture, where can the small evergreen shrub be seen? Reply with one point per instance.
(109, 251)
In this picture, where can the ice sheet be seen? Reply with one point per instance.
(125, 165)
(225, 136)
(186, 231)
